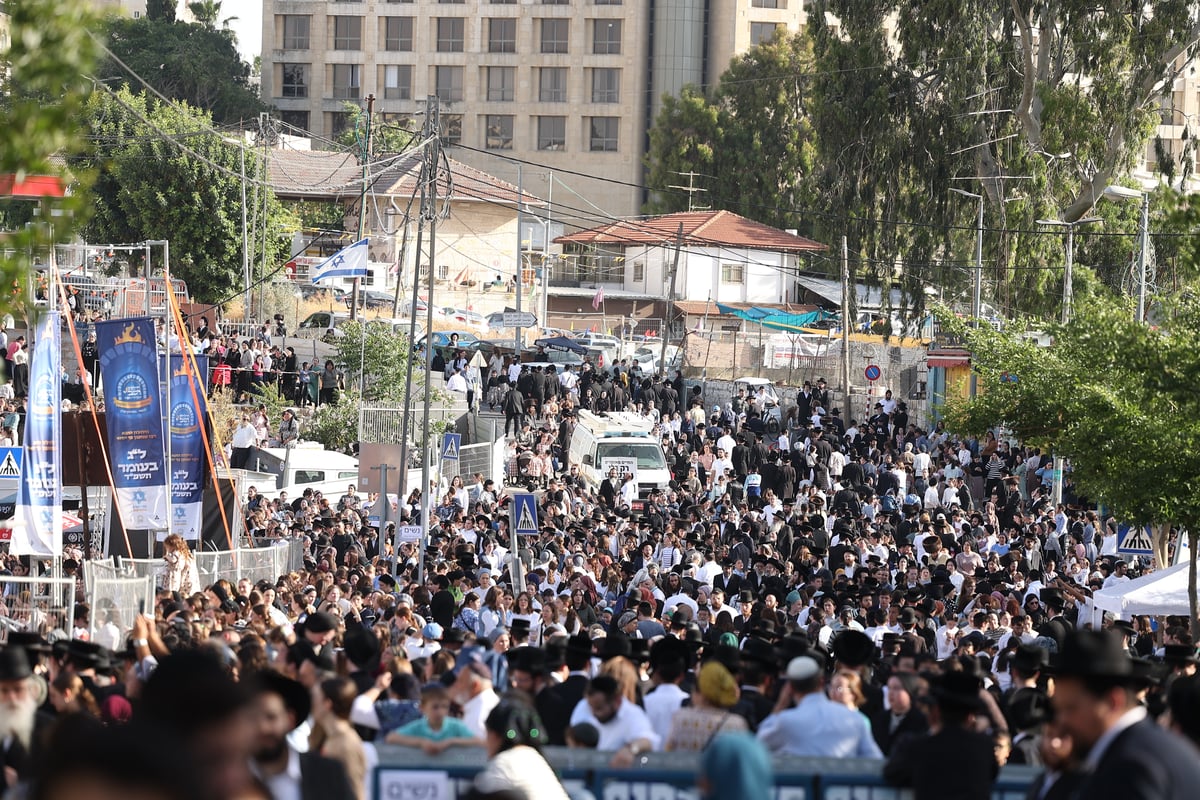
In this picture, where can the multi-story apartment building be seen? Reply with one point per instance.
(561, 84)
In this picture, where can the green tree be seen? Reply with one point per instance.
(1116, 397)
(195, 63)
(160, 10)
(44, 86)
(898, 103)
(148, 186)
(385, 137)
(749, 139)
(206, 12)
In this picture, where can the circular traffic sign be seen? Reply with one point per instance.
(872, 372)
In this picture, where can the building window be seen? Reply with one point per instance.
(450, 34)
(552, 84)
(555, 34)
(607, 2)
(502, 35)
(733, 273)
(452, 2)
(503, 2)
(556, 2)
(345, 81)
(639, 271)
(451, 128)
(606, 85)
(400, 1)
(295, 80)
(398, 34)
(551, 133)
(449, 83)
(762, 32)
(606, 37)
(295, 31)
(294, 119)
(339, 121)
(501, 84)
(768, 3)
(397, 82)
(602, 135)
(499, 132)
(347, 33)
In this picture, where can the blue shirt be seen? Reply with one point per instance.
(452, 728)
(818, 727)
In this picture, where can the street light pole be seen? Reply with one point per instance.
(1126, 194)
(1068, 272)
(977, 289)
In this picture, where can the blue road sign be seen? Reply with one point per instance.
(10, 486)
(525, 514)
(872, 372)
(1134, 541)
(451, 442)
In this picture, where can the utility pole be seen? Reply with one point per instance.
(264, 132)
(666, 332)
(400, 268)
(977, 289)
(518, 342)
(422, 180)
(362, 198)
(849, 412)
(1142, 254)
(384, 513)
(432, 112)
(247, 308)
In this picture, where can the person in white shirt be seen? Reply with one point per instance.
(628, 492)
(1118, 575)
(666, 697)
(947, 637)
(457, 383)
(245, 436)
(472, 689)
(624, 727)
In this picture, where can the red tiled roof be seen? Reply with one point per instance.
(700, 228)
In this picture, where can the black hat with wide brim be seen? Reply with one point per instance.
(1096, 654)
(959, 690)
(295, 697)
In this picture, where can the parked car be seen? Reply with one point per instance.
(371, 299)
(310, 291)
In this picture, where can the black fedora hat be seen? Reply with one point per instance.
(14, 664)
(1028, 707)
(745, 596)
(579, 644)
(958, 690)
(1029, 659)
(761, 652)
(295, 697)
(1095, 654)
(640, 650)
(1180, 654)
(853, 648)
(668, 649)
(30, 641)
(615, 646)
(85, 655)
(527, 659)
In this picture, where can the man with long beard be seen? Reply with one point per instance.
(21, 725)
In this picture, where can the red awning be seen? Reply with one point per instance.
(32, 186)
(947, 359)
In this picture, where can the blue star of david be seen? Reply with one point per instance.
(47, 517)
(139, 497)
(338, 260)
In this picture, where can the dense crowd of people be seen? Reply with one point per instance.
(865, 589)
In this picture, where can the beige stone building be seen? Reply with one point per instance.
(565, 85)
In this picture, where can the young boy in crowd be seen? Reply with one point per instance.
(436, 730)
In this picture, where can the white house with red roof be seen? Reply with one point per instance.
(724, 258)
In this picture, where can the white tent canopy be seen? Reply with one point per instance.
(1160, 593)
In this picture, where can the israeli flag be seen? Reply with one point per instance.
(349, 262)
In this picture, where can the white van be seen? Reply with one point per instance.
(306, 466)
(621, 439)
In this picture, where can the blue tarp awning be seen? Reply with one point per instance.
(773, 318)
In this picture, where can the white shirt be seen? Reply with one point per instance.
(244, 436)
(661, 705)
(285, 785)
(629, 724)
(476, 710)
(457, 383)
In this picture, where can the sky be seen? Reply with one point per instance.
(247, 26)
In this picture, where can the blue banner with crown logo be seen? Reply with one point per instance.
(133, 411)
(188, 409)
(38, 529)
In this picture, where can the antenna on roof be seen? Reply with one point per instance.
(691, 189)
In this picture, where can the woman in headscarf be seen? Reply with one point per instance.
(693, 728)
(735, 765)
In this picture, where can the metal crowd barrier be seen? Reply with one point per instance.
(114, 603)
(39, 605)
(98, 568)
(406, 774)
(266, 562)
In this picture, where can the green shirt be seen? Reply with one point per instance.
(452, 728)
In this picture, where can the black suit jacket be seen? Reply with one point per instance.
(323, 779)
(1146, 762)
(1064, 787)
(914, 723)
(555, 704)
(952, 764)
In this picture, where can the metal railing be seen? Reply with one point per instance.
(39, 605)
(114, 603)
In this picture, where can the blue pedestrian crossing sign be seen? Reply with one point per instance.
(451, 442)
(1134, 540)
(525, 514)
